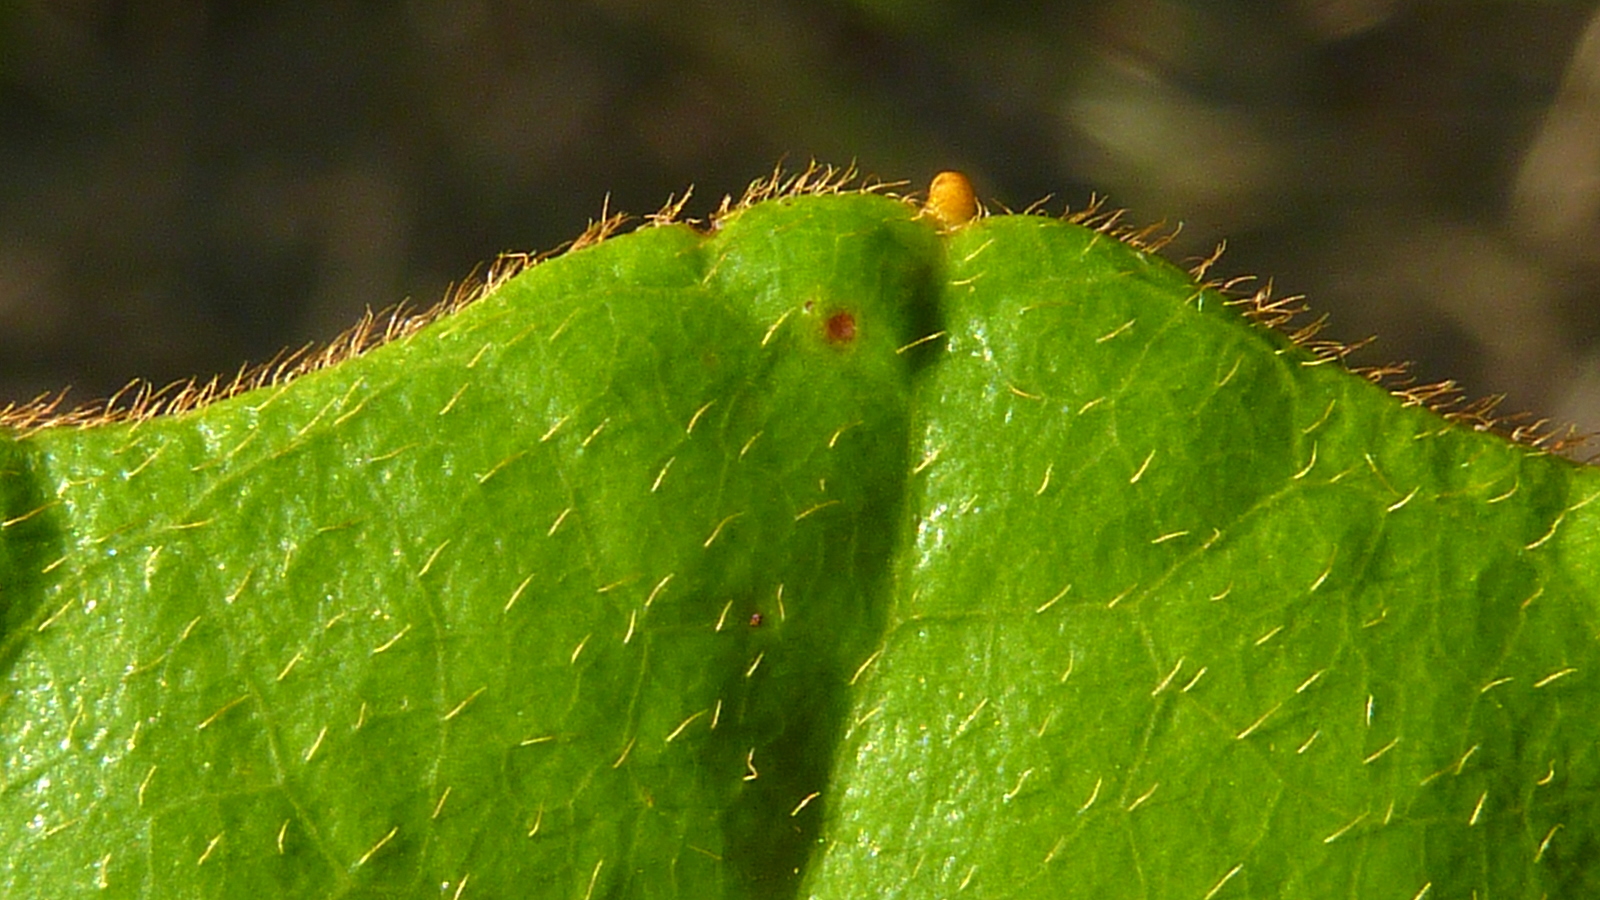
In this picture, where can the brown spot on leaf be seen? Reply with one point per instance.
(840, 328)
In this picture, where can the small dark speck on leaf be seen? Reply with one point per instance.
(755, 620)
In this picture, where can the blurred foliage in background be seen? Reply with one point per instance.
(187, 185)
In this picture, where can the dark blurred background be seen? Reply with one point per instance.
(188, 185)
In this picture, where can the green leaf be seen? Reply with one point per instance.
(824, 555)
